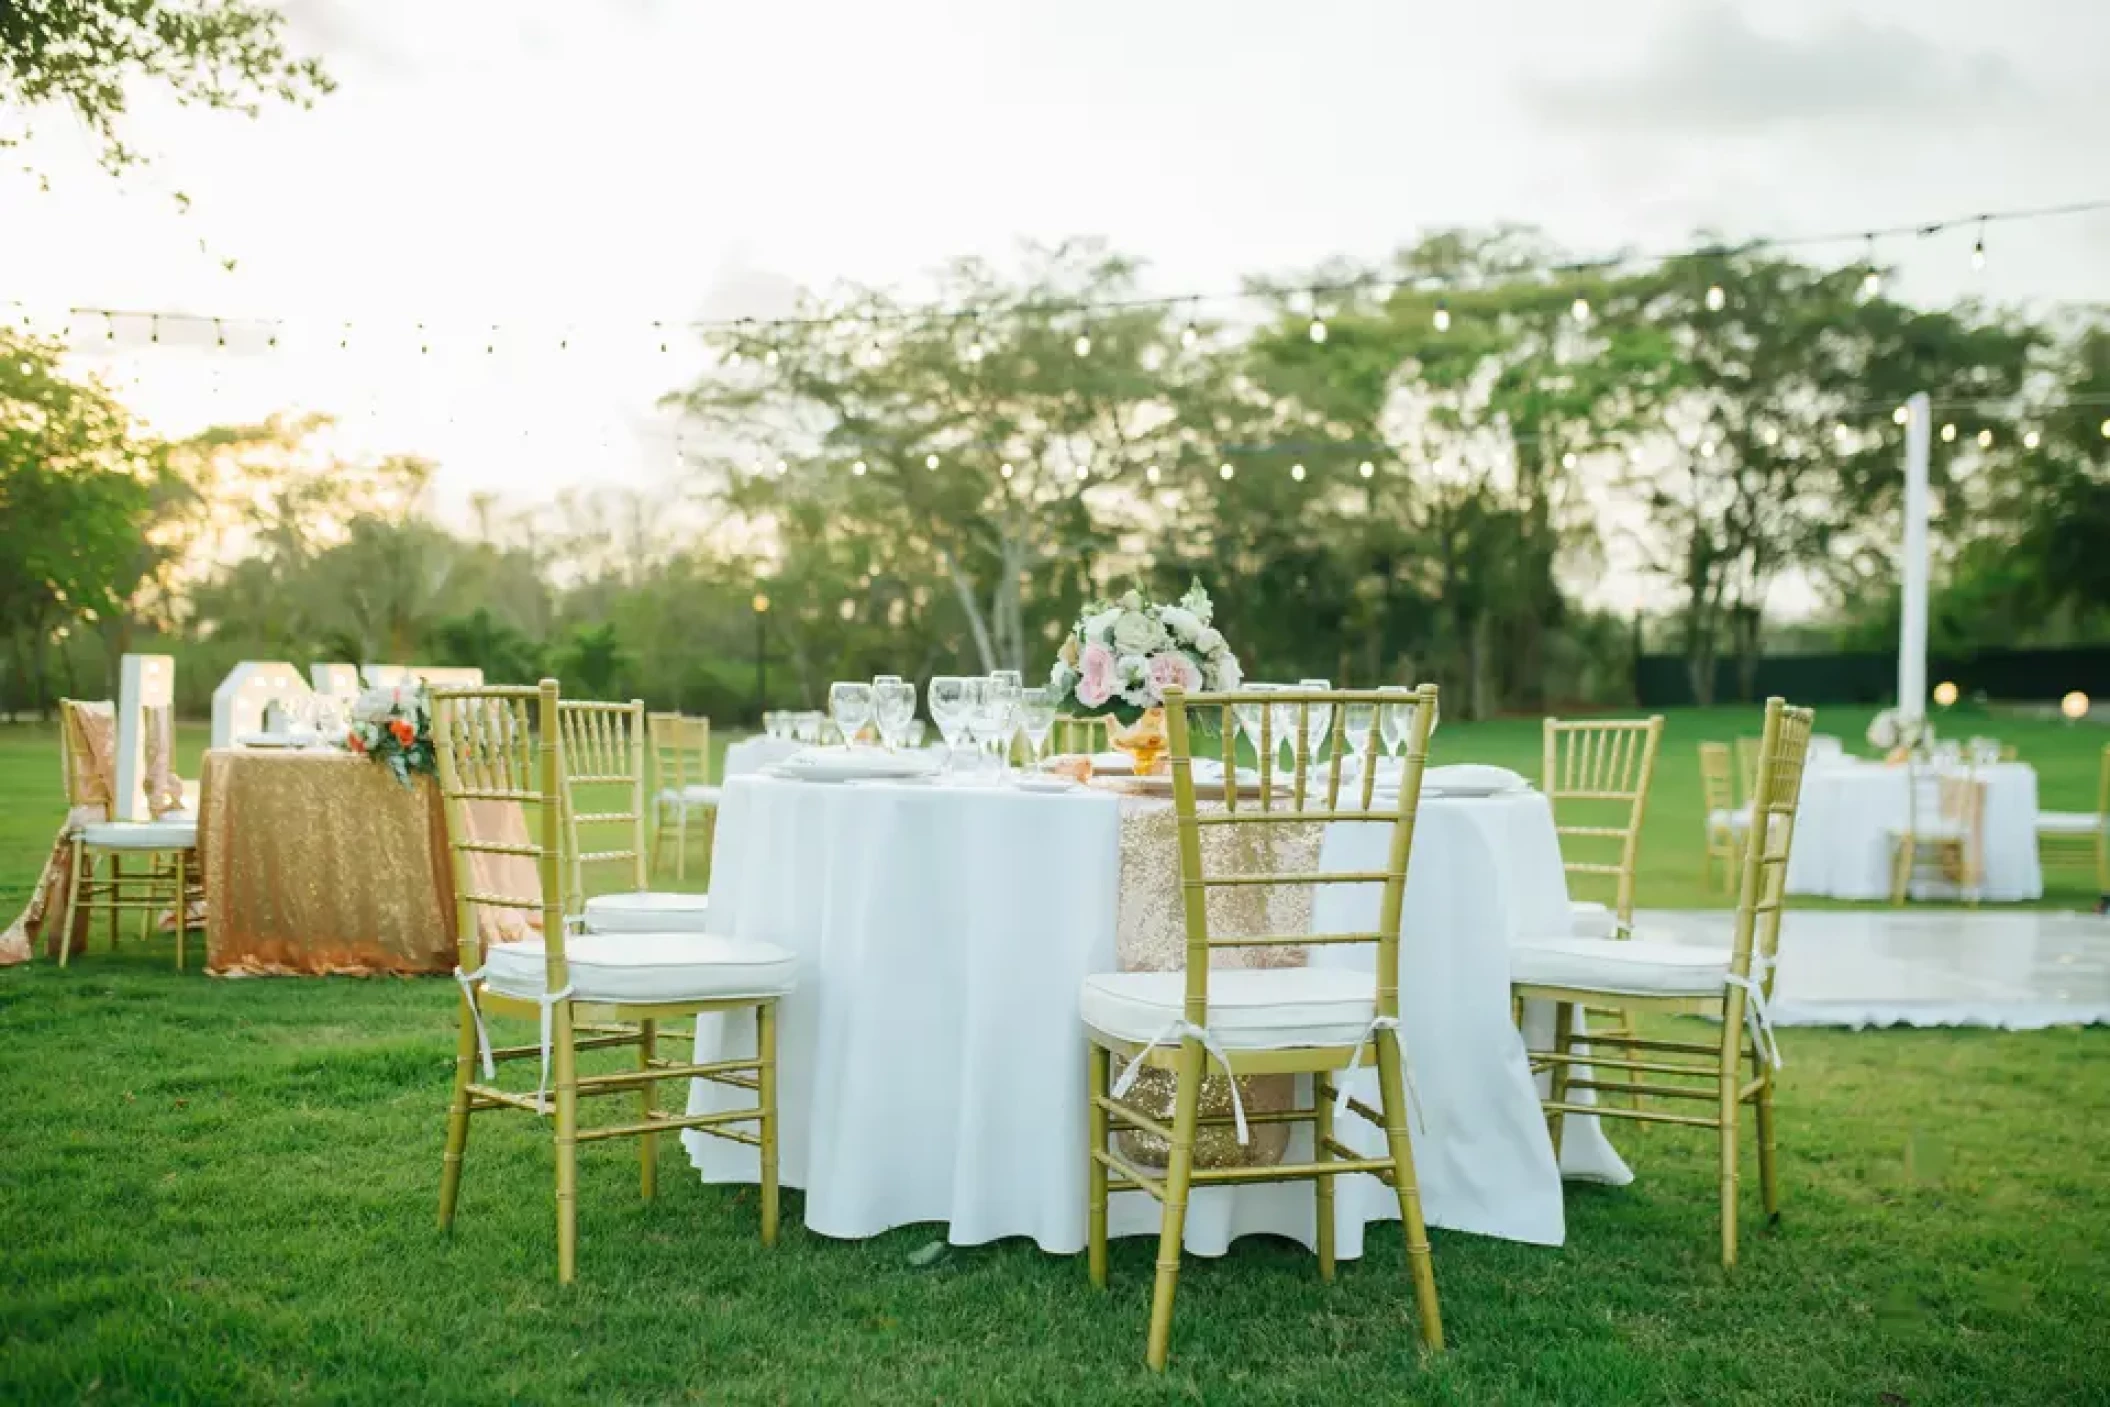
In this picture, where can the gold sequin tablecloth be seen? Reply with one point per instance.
(322, 862)
(1151, 936)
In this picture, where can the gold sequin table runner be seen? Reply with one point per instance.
(1151, 936)
(321, 862)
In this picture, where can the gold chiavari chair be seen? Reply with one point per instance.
(1596, 776)
(505, 745)
(1725, 822)
(1318, 1021)
(604, 795)
(1747, 750)
(1075, 736)
(2077, 838)
(1734, 986)
(168, 879)
(1944, 818)
(681, 756)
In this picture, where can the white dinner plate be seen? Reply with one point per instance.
(835, 764)
(268, 740)
(1046, 786)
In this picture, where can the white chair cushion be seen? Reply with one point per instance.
(647, 967)
(141, 835)
(1722, 819)
(2068, 823)
(1589, 919)
(648, 911)
(1267, 1008)
(1632, 966)
(1932, 828)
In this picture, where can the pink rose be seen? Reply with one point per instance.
(1169, 669)
(1097, 684)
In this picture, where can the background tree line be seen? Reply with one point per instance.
(1428, 472)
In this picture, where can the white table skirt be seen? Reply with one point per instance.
(1844, 847)
(932, 1059)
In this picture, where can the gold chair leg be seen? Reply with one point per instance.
(1097, 1078)
(566, 1059)
(1172, 1227)
(117, 892)
(458, 1116)
(182, 912)
(1901, 869)
(157, 875)
(648, 1143)
(1563, 1044)
(766, 1090)
(73, 897)
(1727, 1111)
(681, 842)
(1768, 1160)
(659, 839)
(1322, 1188)
(1392, 1085)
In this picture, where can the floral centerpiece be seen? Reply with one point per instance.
(394, 728)
(1900, 735)
(1121, 656)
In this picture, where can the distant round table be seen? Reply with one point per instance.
(932, 1056)
(1850, 813)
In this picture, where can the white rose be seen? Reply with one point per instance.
(1208, 640)
(1136, 633)
(1182, 623)
(1228, 675)
(1129, 668)
(1100, 627)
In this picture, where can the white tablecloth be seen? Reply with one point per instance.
(753, 754)
(932, 1059)
(1843, 834)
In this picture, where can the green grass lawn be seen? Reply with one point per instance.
(224, 1191)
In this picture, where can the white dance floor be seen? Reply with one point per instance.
(1925, 967)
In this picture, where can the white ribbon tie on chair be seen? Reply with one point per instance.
(1758, 1018)
(547, 1001)
(1355, 1063)
(1174, 1032)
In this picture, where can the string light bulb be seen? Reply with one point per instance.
(1900, 415)
(1948, 433)
(1770, 435)
(2106, 429)
(1442, 317)
(769, 358)
(1366, 469)
(1580, 309)
(1189, 335)
(1985, 439)
(1083, 345)
(1084, 471)
(782, 468)
(1296, 471)
(859, 468)
(1318, 329)
(1872, 280)
(1841, 433)
(1151, 473)
(1717, 298)
(2031, 439)
(930, 461)
(1570, 460)
(1978, 250)
(1224, 470)
(1006, 470)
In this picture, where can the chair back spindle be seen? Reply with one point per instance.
(1596, 775)
(504, 744)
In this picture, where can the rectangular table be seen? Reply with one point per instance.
(321, 862)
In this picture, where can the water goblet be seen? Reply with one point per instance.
(912, 732)
(893, 704)
(1318, 718)
(1036, 718)
(994, 721)
(850, 705)
(950, 698)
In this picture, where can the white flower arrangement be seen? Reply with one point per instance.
(1121, 656)
(1891, 730)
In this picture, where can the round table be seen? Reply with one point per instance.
(932, 1056)
(1845, 833)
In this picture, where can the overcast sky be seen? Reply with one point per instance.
(578, 170)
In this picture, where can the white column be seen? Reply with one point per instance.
(1913, 563)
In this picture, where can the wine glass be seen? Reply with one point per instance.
(850, 705)
(1036, 716)
(1282, 721)
(893, 704)
(994, 721)
(912, 731)
(1395, 719)
(950, 698)
(1008, 676)
(1318, 718)
(1356, 719)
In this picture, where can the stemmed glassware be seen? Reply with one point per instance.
(1282, 721)
(850, 705)
(893, 705)
(1036, 718)
(950, 700)
(1318, 718)
(1394, 720)
(994, 719)
(1356, 719)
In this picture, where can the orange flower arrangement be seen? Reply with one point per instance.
(394, 728)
